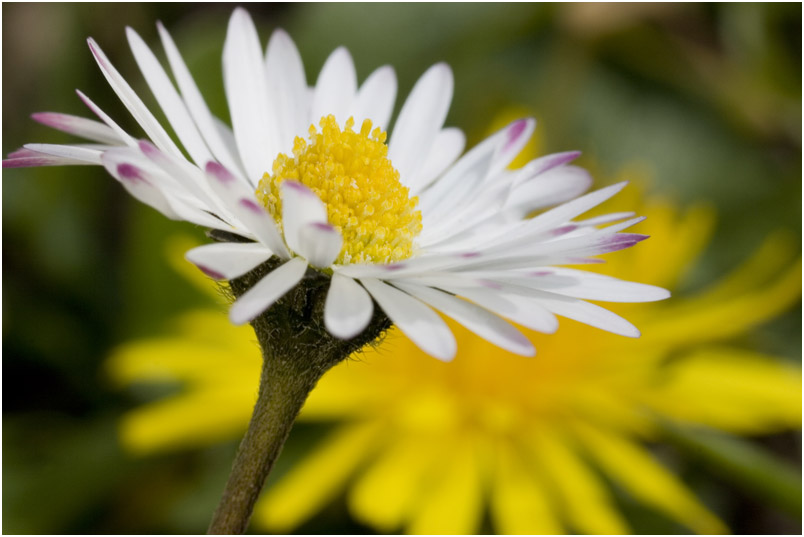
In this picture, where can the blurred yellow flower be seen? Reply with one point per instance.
(423, 446)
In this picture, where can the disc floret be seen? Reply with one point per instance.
(351, 173)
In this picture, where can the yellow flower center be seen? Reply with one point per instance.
(352, 175)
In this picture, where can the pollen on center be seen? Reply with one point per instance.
(352, 175)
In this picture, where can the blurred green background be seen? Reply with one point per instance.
(708, 97)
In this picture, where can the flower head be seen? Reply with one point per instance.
(424, 447)
(304, 176)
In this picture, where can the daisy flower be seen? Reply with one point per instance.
(417, 446)
(304, 185)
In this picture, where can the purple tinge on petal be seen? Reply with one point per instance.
(540, 273)
(51, 119)
(131, 173)
(393, 267)
(27, 162)
(85, 99)
(251, 205)
(490, 284)
(219, 172)
(214, 274)
(298, 187)
(563, 230)
(96, 52)
(559, 159)
(89, 104)
(514, 132)
(148, 149)
(323, 226)
(470, 255)
(621, 241)
(23, 152)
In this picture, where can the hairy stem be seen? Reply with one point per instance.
(282, 393)
(297, 350)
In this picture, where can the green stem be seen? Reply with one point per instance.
(297, 350)
(283, 391)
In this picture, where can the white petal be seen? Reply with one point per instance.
(179, 181)
(336, 87)
(591, 286)
(417, 321)
(168, 99)
(241, 202)
(133, 103)
(348, 308)
(615, 228)
(460, 227)
(79, 126)
(590, 314)
(27, 158)
(546, 163)
(604, 219)
(123, 135)
(140, 176)
(138, 183)
(517, 135)
(375, 100)
(267, 291)
(82, 154)
(569, 240)
(447, 147)
(288, 85)
(248, 97)
(170, 184)
(197, 106)
(187, 176)
(558, 252)
(525, 233)
(409, 267)
(226, 135)
(521, 310)
(420, 120)
(469, 170)
(462, 180)
(555, 186)
(228, 260)
(320, 243)
(571, 209)
(483, 323)
(443, 280)
(300, 206)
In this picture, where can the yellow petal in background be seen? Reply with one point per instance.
(349, 390)
(585, 500)
(767, 263)
(216, 401)
(708, 319)
(451, 501)
(730, 317)
(199, 418)
(736, 391)
(646, 480)
(177, 359)
(384, 495)
(608, 404)
(203, 347)
(317, 479)
(520, 503)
